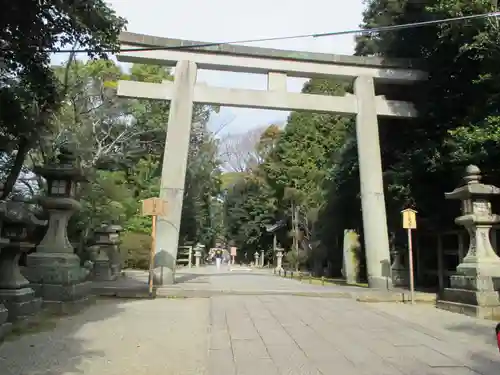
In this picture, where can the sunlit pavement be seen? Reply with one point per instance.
(254, 334)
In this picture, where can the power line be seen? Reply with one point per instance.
(373, 30)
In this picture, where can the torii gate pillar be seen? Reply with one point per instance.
(173, 173)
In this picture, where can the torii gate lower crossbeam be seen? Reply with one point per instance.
(184, 93)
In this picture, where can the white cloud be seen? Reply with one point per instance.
(233, 20)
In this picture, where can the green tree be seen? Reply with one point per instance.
(249, 206)
(30, 93)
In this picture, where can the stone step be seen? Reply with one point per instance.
(472, 297)
(470, 310)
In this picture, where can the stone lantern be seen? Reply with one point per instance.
(54, 270)
(113, 248)
(473, 288)
(101, 249)
(15, 291)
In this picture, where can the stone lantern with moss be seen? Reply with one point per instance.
(105, 263)
(474, 287)
(114, 255)
(54, 270)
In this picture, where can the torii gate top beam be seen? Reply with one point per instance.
(237, 58)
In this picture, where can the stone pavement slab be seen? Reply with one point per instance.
(117, 337)
(258, 335)
(305, 335)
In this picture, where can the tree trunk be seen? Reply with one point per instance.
(22, 152)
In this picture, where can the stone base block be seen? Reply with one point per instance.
(103, 272)
(62, 293)
(55, 268)
(383, 283)
(472, 297)
(400, 277)
(484, 312)
(20, 303)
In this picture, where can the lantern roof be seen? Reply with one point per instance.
(472, 187)
(67, 167)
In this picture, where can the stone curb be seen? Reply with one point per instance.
(170, 292)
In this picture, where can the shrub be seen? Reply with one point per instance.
(136, 249)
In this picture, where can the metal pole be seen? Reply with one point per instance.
(152, 254)
(410, 255)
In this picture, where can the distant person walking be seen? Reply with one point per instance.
(218, 258)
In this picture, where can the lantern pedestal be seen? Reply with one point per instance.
(15, 292)
(474, 288)
(59, 279)
(5, 326)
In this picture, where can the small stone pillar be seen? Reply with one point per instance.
(256, 257)
(279, 259)
(102, 270)
(54, 270)
(474, 287)
(262, 258)
(15, 291)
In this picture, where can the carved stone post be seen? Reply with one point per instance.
(54, 270)
(474, 288)
(262, 258)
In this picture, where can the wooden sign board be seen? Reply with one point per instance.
(154, 207)
(233, 251)
(409, 219)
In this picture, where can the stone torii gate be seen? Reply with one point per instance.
(183, 92)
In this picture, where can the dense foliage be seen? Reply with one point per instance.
(314, 163)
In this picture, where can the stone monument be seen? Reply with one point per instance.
(474, 287)
(15, 291)
(351, 250)
(54, 270)
(262, 258)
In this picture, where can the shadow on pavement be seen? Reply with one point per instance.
(54, 347)
(485, 333)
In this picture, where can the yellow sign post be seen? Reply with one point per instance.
(410, 223)
(153, 207)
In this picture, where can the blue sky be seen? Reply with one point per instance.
(231, 20)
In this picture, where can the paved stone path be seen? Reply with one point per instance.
(258, 335)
